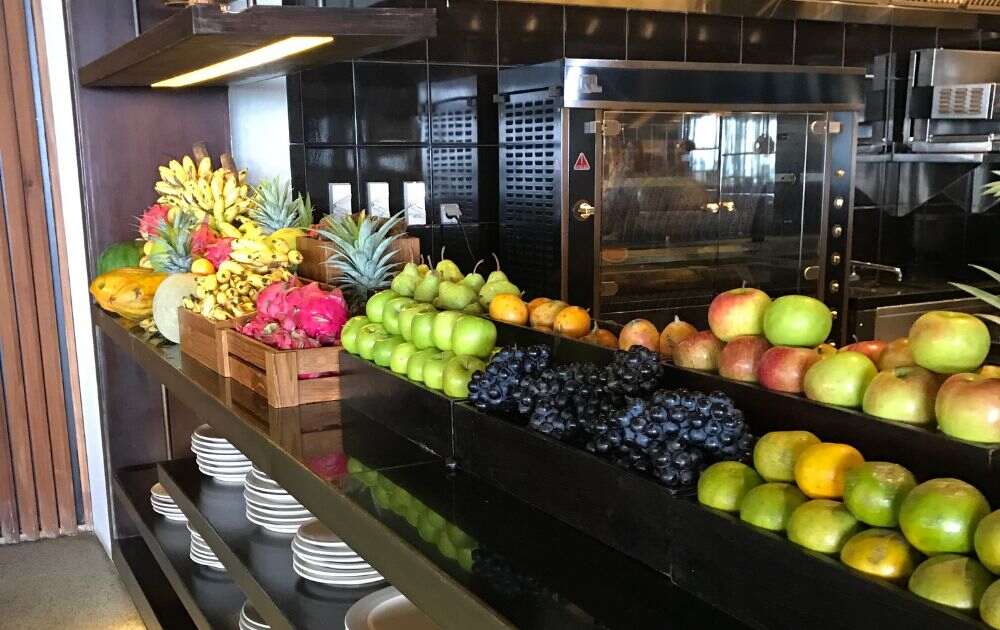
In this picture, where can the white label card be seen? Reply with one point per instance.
(378, 199)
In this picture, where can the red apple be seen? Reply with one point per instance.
(872, 349)
(741, 356)
(896, 354)
(699, 352)
(782, 368)
(904, 394)
(949, 342)
(738, 312)
(968, 407)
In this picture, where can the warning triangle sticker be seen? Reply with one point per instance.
(581, 164)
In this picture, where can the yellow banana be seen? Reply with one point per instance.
(219, 314)
(228, 230)
(179, 173)
(189, 167)
(232, 267)
(207, 305)
(205, 167)
(295, 257)
(256, 280)
(223, 275)
(209, 282)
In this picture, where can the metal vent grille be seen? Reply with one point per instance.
(530, 182)
(454, 121)
(985, 6)
(454, 172)
(962, 101)
(932, 4)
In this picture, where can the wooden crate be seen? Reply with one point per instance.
(274, 374)
(316, 252)
(201, 339)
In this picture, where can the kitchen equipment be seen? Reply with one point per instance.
(645, 188)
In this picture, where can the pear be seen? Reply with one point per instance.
(447, 269)
(474, 309)
(494, 288)
(427, 288)
(497, 275)
(454, 296)
(474, 281)
(405, 282)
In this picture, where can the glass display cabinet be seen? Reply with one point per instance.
(643, 189)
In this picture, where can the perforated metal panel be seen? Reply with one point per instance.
(455, 171)
(530, 185)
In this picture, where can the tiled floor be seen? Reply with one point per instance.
(62, 583)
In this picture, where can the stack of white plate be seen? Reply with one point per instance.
(201, 553)
(250, 619)
(321, 556)
(164, 504)
(270, 506)
(217, 457)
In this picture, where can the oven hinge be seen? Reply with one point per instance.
(822, 127)
(607, 128)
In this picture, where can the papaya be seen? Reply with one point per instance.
(127, 291)
(118, 255)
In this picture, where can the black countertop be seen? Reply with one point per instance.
(528, 569)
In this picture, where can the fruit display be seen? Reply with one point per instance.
(277, 214)
(882, 553)
(967, 406)
(118, 255)
(948, 342)
(904, 394)
(738, 313)
(740, 358)
(700, 351)
(167, 301)
(841, 379)
(797, 320)
(941, 515)
(616, 411)
(127, 291)
(822, 525)
(219, 196)
(951, 580)
(291, 316)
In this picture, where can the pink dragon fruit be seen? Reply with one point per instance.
(330, 466)
(201, 238)
(272, 302)
(322, 316)
(255, 327)
(218, 251)
(151, 220)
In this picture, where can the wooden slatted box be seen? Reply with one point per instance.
(274, 374)
(201, 339)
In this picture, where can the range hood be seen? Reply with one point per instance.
(204, 45)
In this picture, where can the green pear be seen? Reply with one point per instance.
(474, 309)
(474, 281)
(455, 296)
(422, 269)
(405, 282)
(427, 289)
(447, 269)
(496, 276)
(494, 288)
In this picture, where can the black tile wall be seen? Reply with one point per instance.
(593, 33)
(425, 112)
(656, 36)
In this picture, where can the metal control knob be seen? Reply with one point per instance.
(834, 287)
(811, 272)
(583, 210)
(729, 206)
(712, 207)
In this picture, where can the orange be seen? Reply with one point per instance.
(535, 303)
(820, 469)
(544, 315)
(602, 337)
(509, 308)
(572, 321)
(883, 553)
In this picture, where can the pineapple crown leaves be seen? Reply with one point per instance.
(172, 243)
(365, 263)
(989, 298)
(346, 227)
(273, 208)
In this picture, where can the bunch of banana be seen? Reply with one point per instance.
(220, 194)
(232, 290)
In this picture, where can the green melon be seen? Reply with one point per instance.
(118, 255)
(167, 300)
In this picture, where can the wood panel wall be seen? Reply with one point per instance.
(36, 476)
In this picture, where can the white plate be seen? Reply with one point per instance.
(317, 533)
(221, 457)
(344, 554)
(230, 467)
(159, 491)
(272, 499)
(272, 527)
(311, 575)
(321, 569)
(385, 609)
(206, 563)
(206, 432)
(251, 619)
(288, 509)
(285, 520)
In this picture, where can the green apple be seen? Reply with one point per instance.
(367, 336)
(797, 320)
(408, 314)
(840, 379)
(904, 394)
(968, 408)
(400, 358)
(377, 302)
(382, 351)
(444, 325)
(949, 342)
(390, 314)
(349, 333)
(457, 374)
(474, 336)
(422, 330)
(434, 369)
(415, 366)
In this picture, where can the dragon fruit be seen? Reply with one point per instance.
(322, 316)
(291, 316)
(151, 220)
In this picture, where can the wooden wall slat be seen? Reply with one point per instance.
(35, 226)
(9, 530)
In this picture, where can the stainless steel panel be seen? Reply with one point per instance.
(972, 100)
(893, 322)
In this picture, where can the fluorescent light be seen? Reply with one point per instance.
(258, 57)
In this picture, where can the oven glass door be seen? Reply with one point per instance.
(694, 203)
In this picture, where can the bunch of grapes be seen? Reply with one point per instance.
(491, 389)
(561, 399)
(632, 374)
(671, 436)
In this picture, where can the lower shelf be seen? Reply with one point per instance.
(211, 598)
(258, 560)
(159, 607)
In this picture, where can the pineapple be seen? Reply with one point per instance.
(170, 246)
(273, 209)
(364, 260)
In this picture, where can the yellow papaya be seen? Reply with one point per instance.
(127, 291)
